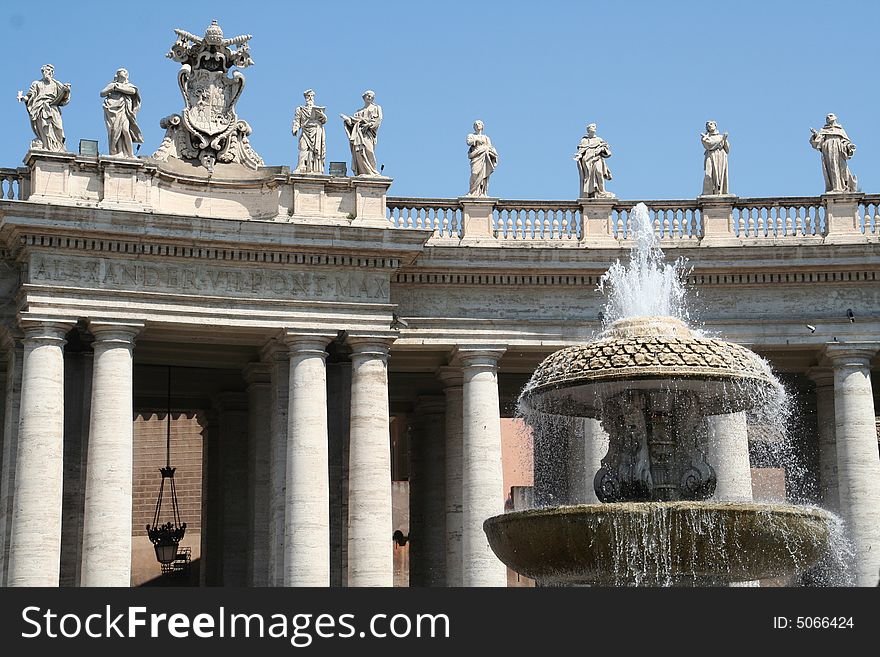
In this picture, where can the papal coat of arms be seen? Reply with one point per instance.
(208, 130)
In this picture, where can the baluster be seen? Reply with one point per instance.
(519, 233)
(554, 217)
(789, 224)
(566, 226)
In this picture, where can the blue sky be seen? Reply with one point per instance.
(648, 73)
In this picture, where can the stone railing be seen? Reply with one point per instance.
(442, 215)
(779, 217)
(13, 184)
(672, 219)
(721, 220)
(537, 220)
(869, 214)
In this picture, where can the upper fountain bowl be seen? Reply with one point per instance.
(648, 353)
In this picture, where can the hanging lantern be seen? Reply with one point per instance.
(167, 536)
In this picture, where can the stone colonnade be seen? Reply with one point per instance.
(287, 531)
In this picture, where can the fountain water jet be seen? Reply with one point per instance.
(653, 382)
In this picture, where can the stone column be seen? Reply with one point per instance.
(257, 376)
(35, 540)
(78, 372)
(279, 376)
(106, 551)
(232, 415)
(482, 480)
(823, 377)
(370, 551)
(14, 358)
(427, 483)
(858, 463)
(452, 388)
(587, 447)
(729, 456)
(338, 426)
(307, 509)
(211, 550)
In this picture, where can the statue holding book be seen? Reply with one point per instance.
(308, 121)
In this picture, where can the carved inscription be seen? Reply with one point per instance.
(245, 281)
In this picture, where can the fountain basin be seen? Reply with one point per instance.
(659, 543)
(649, 353)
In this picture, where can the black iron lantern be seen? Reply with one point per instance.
(167, 536)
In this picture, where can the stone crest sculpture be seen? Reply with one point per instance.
(122, 102)
(836, 148)
(43, 101)
(208, 130)
(483, 158)
(590, 157)
(308, 121)
(714, 160)
(362, 129)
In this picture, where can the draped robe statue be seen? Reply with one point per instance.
(309, 120)
(43, 100)
(362, 129)
(836, 148)
(715, 160)
(590, 157)
(122, 102)
(483, 158)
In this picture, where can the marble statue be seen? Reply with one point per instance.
(308, 121)
(836, 148)
(715, 160)
(43, 102)
(362, 129)
(122, 101)
(484, 159)
(590, 157)
(208, 129)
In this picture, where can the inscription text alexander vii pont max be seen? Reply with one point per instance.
(247, 281)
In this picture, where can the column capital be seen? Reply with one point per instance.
(851, 354)
(366, 345)
(257, 374)
(451, 376)
(821, 376)
(114, 332)
(45, 329)
(308, 341)
(482, 356)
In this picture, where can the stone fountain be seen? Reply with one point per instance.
(653, 382)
